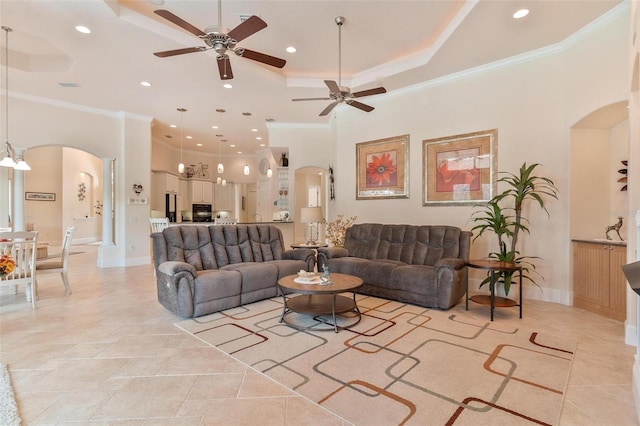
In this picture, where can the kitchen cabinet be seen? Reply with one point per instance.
(599, 284)
(201, 192)
(161, 184)
(224, 197)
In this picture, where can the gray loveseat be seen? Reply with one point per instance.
(202, 269)
(423, 265)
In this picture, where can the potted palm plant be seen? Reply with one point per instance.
(502, 216)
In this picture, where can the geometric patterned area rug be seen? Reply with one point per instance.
(401, 364)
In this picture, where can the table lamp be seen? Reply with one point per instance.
(311, 215)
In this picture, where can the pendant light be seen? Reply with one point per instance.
(269, 172)
(246, 169)
(10, 157)
(220, 165)
(181, 165)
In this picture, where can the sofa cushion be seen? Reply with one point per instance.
(414, 279)
(216, 284)
(255, 275)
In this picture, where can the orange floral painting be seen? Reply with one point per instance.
(382, 168)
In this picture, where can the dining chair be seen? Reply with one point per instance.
(158, 223)
(21, 248)
(60, 264)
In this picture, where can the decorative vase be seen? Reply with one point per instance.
(284, 161)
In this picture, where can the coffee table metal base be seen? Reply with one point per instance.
(319, 305)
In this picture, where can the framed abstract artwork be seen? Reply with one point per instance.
(40, 196)
(460, 169)
(382, 168)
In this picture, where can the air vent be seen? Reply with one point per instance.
(244, 17)
(69, 84)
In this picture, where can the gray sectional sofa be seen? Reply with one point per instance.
(423, 265)
(201, 269)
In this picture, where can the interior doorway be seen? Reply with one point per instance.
(310, 191)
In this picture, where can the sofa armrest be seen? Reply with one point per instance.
(173, 268)
(451, 263)
(307, 255)
(326, 253)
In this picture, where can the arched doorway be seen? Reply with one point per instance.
(310, 191)
(74, 177)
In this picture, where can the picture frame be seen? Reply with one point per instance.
(382, 168)
(40, 196)
(460, 169)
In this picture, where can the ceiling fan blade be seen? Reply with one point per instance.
(332, 85)
(360, 105)
(328, 109)
(224, 67)
(179, 22)
(168, 53)
(261, 57)
(376, 91)
(247, 28)
(311, 99)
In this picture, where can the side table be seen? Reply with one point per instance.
(311, 246)
(494, 266)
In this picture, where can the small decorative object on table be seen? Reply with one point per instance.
(7, 265)
(326, 278)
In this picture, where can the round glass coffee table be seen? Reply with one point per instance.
(317, 299)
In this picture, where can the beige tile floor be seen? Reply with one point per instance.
(110, 354)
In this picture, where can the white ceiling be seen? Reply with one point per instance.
(393, 44)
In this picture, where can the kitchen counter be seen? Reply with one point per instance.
(600, 241)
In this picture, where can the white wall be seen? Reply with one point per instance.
(530, 103)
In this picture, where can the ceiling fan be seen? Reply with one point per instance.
(222, 40)
(339, 93)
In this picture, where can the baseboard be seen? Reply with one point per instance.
(137, 261)
(630, 334)
(636, 386)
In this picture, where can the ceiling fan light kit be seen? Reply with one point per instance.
(339, 93)
(222, 40)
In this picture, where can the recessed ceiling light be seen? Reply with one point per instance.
(239, 152)
(233, 145)
(145, 84)
(214, 127)
(262, 144)
(173, 126)
(68, 84)
(221, 110)
(82, 29)
(259, 138)
(227, 86)
(199, 144)
(291, 49)
(189, 137)
(521, 13)
(246, 114)
(254, 130)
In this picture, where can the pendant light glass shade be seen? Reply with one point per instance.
(219, 180)
(246, 170)
(224, 182)
(269, 172)
(220, 168)
(181, 165)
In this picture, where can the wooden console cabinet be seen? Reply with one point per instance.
(599, 284)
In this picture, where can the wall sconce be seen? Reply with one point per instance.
(269, 172)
